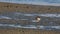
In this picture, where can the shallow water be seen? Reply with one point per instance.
(36, 2)
(49, 21)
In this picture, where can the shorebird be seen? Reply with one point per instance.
(37, 19)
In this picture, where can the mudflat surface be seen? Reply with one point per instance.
(23, 8)
(26, 31)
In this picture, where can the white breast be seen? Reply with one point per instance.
(38, 19)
